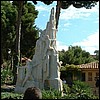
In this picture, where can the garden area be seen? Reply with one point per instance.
(79, 90)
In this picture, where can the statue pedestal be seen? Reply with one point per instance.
(56, 83)
(21, 89)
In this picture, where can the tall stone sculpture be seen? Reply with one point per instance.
(43, 71)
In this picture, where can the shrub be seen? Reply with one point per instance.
(11, 95)
(82, 90)
(79, 90)
(6, 74)
(51, 94)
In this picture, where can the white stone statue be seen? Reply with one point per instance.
(43, 71)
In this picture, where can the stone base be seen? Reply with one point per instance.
(21, 89)
(56, 83)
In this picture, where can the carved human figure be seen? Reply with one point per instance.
(47, 57)
(28, 75)
(37, 58)
(20, 75)
(47, 45)
(37, 61)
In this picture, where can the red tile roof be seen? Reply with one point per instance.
(94, 65)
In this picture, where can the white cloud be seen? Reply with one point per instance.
(41, 8)
(74, 13)
(61, 45)
(64, 27)
(90, 49)
(90, 44)
(71, 12)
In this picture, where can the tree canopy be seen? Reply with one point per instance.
(8, 20)
(29, 31)
(8, 25)
(96, 52)
(75, 55)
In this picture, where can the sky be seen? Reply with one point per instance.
(77, 27)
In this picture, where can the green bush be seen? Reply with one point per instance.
(11, 95)
(82, 90)
(46, 94)
(79, 90)
(6, 74)
(51, 94)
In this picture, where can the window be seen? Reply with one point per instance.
(97, 74)
(83, 76)
(89, 76)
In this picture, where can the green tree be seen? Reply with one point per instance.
(8, 20)
(26, 33)
(75, 55)
(17, 61)
(17, 57)
(29, 31)
(96, 52)
(19, 6)
(61, 55)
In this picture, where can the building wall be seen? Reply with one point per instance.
(93, 81)
(90, 70)
(93, 71)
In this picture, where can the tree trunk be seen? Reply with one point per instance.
(58, 8)
(18, 35)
